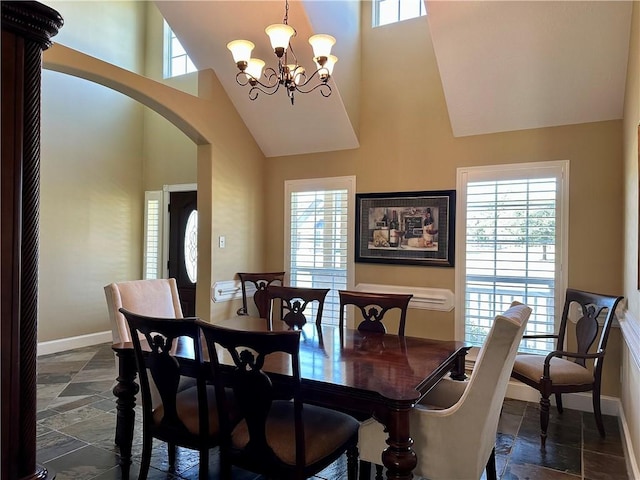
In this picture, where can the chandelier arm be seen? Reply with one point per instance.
(325, 89)
(256, 89)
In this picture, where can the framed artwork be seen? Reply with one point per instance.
(406, 228)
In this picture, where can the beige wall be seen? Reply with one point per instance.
(91, 173)
(631, 345)
(407, 145)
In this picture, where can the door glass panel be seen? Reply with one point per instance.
(191, 246)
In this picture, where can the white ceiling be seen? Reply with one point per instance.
(504, 65)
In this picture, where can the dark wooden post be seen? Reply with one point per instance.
(27, 28)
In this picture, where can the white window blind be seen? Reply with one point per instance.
(152, 235)
(513, 242)
(319, 243)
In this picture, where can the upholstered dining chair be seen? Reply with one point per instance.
(260, 281)
(459, 416)
(565, 370)
(187, 418)
(294, 302)
(154, 298)
(279, 436)
(373, 307)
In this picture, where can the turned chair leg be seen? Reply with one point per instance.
(491, 466)
(544, 420)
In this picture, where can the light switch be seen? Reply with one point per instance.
(221, 241)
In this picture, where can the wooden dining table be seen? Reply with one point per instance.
(379, 375)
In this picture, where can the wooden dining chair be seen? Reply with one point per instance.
(294, 302)
(458, 416)
(260, 281)
(565, 370)
(280, 436)
(373, 307)
(186, 418)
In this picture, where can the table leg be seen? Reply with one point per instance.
(458, 370)
(125, 390)
(399, 458)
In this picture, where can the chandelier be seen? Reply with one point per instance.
(288, 73)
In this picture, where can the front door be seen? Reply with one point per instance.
(183, 247)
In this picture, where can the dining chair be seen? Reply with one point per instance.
(565, 370)
(154, 298)
(373, 307)
(186, 418)
(279, 436)
(458, 416)
(294, 302)
(260, 281)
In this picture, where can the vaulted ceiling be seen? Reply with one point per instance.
(504, 65)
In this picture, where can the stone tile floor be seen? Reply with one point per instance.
(76, 425)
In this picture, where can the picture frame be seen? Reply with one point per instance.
(406, 228)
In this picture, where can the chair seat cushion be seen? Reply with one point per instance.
(561, 371)
(187, 408)
(325, 431)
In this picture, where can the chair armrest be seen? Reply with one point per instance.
(546, 335)
(562, 353)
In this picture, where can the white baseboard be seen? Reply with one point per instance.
(55, 346)
(574, 401)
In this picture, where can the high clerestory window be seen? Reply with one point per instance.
(176, 60)
(391, 11)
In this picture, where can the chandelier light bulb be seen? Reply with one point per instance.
(321, 44)
(254, 69)
(279, 34)
(328, 66)
(241, 51)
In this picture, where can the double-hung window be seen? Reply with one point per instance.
(392, 11)
(176, 60)
(318, 236)
(512, 228)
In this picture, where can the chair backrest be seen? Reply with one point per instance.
(471, 423)
(587, 327)
(155, 342)
(294, 302)
(373, 307)
(253, 388)
(154, 298)
(260, 281)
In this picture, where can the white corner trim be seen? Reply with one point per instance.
(629, 455)
(63, 344)
(630, 327)
(229, 290)
(423, 298)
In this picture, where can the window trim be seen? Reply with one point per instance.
(315, 184)
(555, 168)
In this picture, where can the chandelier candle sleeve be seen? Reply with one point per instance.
(288, 72)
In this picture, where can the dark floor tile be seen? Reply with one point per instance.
(86, 388)
(611, 444)
(55, 444)
(504, 443)
(64, 404)
(83, 464)
(610, 422)
(509, 423)
(568, 432)
(97, 430)
(555, 456)
(535, 472)
(599, 466)
(47, 378)
(514, 407)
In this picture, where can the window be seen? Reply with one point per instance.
(391, 11)
(151, 267)
(177, 62)
(512, 225)
(319, 215)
